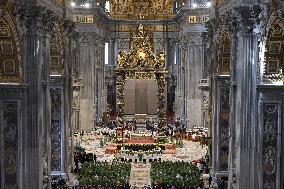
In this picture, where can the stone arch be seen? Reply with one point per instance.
(10, 51)
(274, 50)
(56, 49)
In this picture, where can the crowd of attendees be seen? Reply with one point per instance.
(105, 175)
(179, 175)
(81, 157)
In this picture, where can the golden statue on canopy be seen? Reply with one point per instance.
(141, 55)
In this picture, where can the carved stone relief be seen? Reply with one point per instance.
(270, 139)
(10, 133)
(56, 128)
(224, 128)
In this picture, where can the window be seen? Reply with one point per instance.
(107, 6)
(106, 53)
(176, 55)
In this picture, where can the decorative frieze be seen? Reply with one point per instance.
(149, 9)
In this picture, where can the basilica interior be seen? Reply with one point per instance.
(177, 94)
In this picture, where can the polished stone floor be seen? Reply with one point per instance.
(92, 143)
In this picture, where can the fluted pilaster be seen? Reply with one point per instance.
(36, 26)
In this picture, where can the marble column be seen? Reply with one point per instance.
(195, 73)
(232, 123)
(100, 82)
(181, 94)
(191, 72)
(69, 57)
(36, 69)
(246, 107)
(61, 92)
(87, 63)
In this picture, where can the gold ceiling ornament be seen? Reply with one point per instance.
(10, 51)
(224, 49)
(274, 54)
(56, 48)
(141, 63)
(141, 55)
(141, 9)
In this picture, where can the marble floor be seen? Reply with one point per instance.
(140, 172)
(189, 152)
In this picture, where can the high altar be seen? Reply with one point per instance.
(141, 63)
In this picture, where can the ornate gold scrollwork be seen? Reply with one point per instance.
(224, 50)
(137, 9)
(141, 63)
(56, 48)
(274, 55)
(141, 55)
(10, 55)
